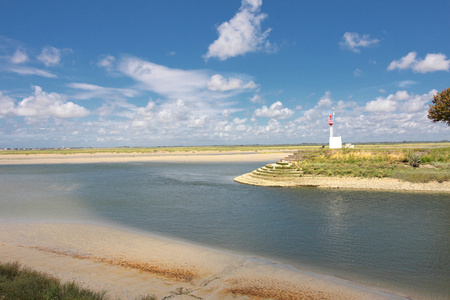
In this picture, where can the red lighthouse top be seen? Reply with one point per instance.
(330, 120)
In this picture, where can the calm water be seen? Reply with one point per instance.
(395, 241)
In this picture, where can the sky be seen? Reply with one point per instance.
(224, 72)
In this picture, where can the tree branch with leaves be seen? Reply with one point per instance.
(439, 111)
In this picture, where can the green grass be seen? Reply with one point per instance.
(23, 283)
(380, 162)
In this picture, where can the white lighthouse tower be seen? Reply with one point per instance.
(335, 141)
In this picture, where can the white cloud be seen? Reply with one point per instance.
(95, 91)
(401, 101)
(242, 34)
(24, 70)
(51, 56)
(43, 105)
(275, 111)
(381, 105)
(219, 83)
(173, 83)
(19, 57)
(353, 41)
(257, 99)
(406, 83)
(357, 72)
(432, 62)
(325, 100)
(107, 62)
(6, 105)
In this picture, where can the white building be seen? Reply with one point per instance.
(335, 141)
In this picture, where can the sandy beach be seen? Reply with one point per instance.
(385, 184)
(129, 264)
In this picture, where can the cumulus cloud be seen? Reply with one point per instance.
(353, 41)
(275, 111)
(6, 105)
(242, 34)
(19, 57)
(219, 83)
(43, 105)
(431, 63)
(401, 101)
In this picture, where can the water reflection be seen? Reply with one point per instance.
(393, 240)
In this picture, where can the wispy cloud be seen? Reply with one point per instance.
(354, 41)
(94, 91)
(242, 34)
(24, 70)
(431, 63)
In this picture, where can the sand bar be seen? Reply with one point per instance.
(203, 156)
(129, 264)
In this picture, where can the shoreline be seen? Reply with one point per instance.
(380, 184)
(81, 158)
(129, 264)
(351, 183)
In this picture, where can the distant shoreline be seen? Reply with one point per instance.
(177, 156)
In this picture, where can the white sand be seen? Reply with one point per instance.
(128, 264)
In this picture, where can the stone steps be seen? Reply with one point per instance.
(277, 170)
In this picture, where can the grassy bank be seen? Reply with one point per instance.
(392, 162)
(22, 283)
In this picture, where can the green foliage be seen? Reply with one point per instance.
(381, 162)
(422, 175)
(415, 160)
(439, 111)
(24, 283)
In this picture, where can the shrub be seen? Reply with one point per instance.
(415, 161)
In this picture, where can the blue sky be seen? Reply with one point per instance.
(201, 72)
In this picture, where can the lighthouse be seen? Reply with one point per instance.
(335, 141)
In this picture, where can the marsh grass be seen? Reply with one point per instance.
(380, 162)
(23, 283)
(258, 148)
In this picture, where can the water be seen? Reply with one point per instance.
(393, 241)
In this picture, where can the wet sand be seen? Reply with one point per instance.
(129, 264)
